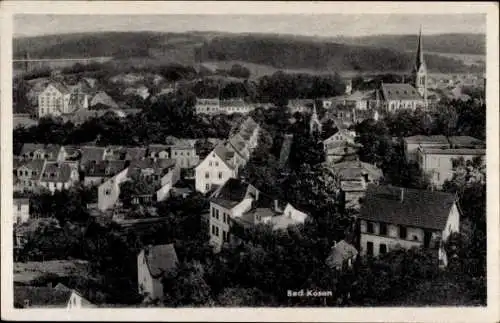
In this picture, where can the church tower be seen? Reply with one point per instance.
(419, 72)
(314, 124)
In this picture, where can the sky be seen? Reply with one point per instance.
(326, 25)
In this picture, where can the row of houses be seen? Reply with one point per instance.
(57, 167)
(227, 158)
(217, 106)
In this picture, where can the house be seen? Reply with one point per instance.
(398, 96)
(207, 106)
(103, 99)
(392, 217)
(59, 175)
(21, 210)
(97, 173)
(77, 300)
(54, 100)
(240, 204)
(28, 174)
(40, 297)
(343, 135)
(153, 264)
(411, 144)
(41, 151)
(158, 151)
(215, 169)
(140, 91)
(359, 100)
(162, 175)
(227, 157)
(91, 154)
(342, 256)
(108, 193)
(438, 163)
(340, 151)
(184, 152)
(231, 106)
(354, 177)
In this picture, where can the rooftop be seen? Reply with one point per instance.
(161, 259)
(399, 91)
(409, 207)
(439, 139)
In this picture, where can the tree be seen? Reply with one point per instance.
(239, 71)
(187, 286)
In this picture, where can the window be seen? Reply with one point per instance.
(369, 227)
(369, 248)
(217, 214)
(220, 175)
(210, 163)
(207, 186)
(213, 212)
(213, 229)
(217, 231)
(207, 175)
(383, 249)
(383, 229)
(216, 164)
(402, 232)
(187, 154)
(19, 207)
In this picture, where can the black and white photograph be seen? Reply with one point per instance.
(299, 160)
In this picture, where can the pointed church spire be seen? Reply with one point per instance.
(314, 123)
(420, 52)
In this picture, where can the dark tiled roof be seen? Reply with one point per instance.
(40, 296)
(231, 193)
(105, 168)
(92, 153)
(159, 166)
(352, 170)
(419, 208)
(60, 87)
(34, 165)
(57, 172)
(158, 148)
(225, 154)
(399, 91)
(161, 259)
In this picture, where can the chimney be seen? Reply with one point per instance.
(402, 194)
(276, 206)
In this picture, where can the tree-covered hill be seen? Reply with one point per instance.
(365, 54)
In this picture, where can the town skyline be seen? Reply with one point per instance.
(312, 25)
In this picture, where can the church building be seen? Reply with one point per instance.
(391, 97)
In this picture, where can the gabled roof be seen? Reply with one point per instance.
(105, 168)
(418, 208)
(103, 98)
(159, 166)
(399, 91)
(225, 155)
(35, 165)
(160, 259)
(92, 153)
(49, 148)
(40, 296)
(232, 103)
(354, 170)
(339, 253)
(57, 172)
(231, 193)
(60, 87)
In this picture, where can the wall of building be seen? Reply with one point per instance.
(185, 157)
(109, 191)
(295, 214)
(21, 213)
(440, 166)
(145, 282)
(212, 165)
(218, 225)
(415, 237)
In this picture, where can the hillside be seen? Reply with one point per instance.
(443, 43)
(374, 54)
